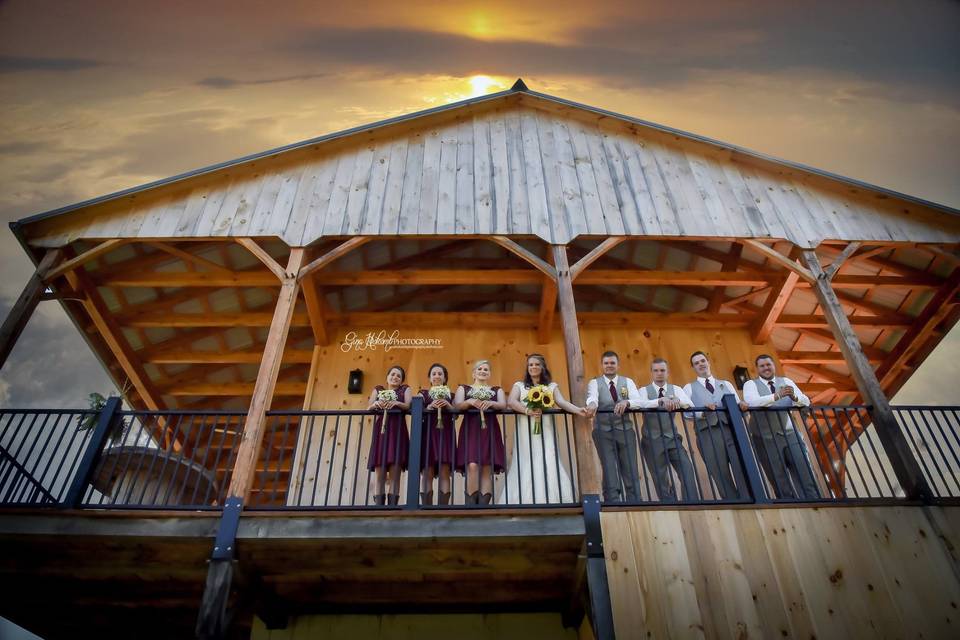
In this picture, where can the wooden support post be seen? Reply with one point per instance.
(587, 461)
(249, 449)
(891, 437)
(548, 305)
(214, 619)
(19, 315)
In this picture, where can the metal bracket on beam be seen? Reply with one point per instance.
(225, 545)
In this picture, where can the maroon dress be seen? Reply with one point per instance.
(482, 446)
(439, 444)
(393, 445)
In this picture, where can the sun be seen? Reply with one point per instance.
(481, 85)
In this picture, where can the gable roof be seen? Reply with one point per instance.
(520, 94)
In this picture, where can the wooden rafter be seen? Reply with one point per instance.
(83, 258)
(223, 356)
(779, 296)
(251, 245)
(595, 254)
(848, 251)
(189, 258)
(334, 254)
(518, 250)
(780, 259)
(815, 357)
(731, 261)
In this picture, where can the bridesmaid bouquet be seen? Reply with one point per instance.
(481, 392)
(440, 392)
(538, 397)
(386, 395)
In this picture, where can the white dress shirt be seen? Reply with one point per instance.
(752, 396)
(727, 387)
(593, 393)
(653, 403)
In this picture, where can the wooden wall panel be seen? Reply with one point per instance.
(840, 572)
(557, 173)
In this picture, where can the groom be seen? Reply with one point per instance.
(613, 433)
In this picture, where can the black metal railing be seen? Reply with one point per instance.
(934, 437)
(330, 460)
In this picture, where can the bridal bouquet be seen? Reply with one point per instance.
(538, 397)
(481, 392)
(386, 395)
(440, 392)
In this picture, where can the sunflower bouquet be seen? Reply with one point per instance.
(538, 397)
(439, 392)
(386, 395)
(481, 392)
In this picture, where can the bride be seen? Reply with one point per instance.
(537, 472)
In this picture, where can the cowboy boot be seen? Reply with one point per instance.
(443, 497)
(471, 498)
(393, 499)
(426, 497)
(379, 499)
(486, 498)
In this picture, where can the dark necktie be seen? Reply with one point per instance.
(708, 385)
(661, 393)
(613, 391)
(773, 390)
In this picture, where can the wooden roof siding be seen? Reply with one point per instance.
(521, 164)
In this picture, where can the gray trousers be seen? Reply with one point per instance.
(658, 453)
(784, 461)
(720, 457)
(617, 449)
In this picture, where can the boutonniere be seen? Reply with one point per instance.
(623, 393)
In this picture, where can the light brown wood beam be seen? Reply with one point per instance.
(185, 320)
(730, 262)
(519, 251)
(83, 258)
(949, 256)
(548, 305)
(840, 259)
(235, 389)
(577, 269)
(867, 282)
(190, 258)
(224, 356)
(795, 321)
(257, 278)
(773, 307)
(784, 261)
(332, 255)
(316, 310)
(923, 326)
(19, 314)
(824, 374)
(891, 436)
(699, 250)
(422, 319)
(588, 463)
(814, 357)
(113, 337)
(266, 384)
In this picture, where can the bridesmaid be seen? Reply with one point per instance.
(438, 448)
(480, 451)
(390, 445)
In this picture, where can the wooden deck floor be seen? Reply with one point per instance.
(117, 574)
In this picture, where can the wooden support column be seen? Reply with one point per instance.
(213, 619)
(588, 463)
(23, 308)
(548, 305)
(898, 450)
(249, 449)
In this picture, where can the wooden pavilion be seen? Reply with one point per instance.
(495, 227)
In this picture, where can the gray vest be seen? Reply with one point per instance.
(770, 422)
(700, 397)
(605, 402)
(659, 424)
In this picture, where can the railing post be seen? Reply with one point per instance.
(598, 588)
(105, 423)
(416, 438)
(751, 470)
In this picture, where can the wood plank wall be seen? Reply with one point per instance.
(506, 349)
(838, 572)
(516, 169)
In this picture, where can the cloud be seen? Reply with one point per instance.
(223, 82)
(19, 64)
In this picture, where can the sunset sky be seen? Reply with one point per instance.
(97, 96)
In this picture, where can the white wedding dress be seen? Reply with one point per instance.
(537, 472)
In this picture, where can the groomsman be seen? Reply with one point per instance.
(714, 434)
(780, 450)
(613, 433)
(660, 443)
